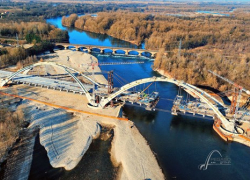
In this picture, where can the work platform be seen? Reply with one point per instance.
(201, 108)
(149, 101)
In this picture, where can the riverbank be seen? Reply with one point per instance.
(57, 127)
(104, 33)
(66, 136)
(79, 61)
(243, 136)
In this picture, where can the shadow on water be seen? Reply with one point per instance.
(216, 91)
(95, 164)
(181, 143)
(2, 169)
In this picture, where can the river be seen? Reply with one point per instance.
(181, 143)
(82, 37)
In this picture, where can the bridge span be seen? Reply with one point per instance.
(106, 98)
(17, 77)
(190, 89)
(107, 49)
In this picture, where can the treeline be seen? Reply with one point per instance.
(33, 32)
(22, 56)
(207, 42)
(160, 31)
(38, 33)
(10, 125)
(126, 26)
(193, 68)
(38, 11)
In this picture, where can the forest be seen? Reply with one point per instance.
(23, 22)
(31, 31)
(207, 42)
(10, 125)
(219, 43)
(38, 33)
(39, 11)
(160, 31)
(193, 68)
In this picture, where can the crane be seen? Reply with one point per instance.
(229, 81)
(144, 90)
(93, 64)
(245, 107)
(237, 94)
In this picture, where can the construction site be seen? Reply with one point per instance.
(62, 82)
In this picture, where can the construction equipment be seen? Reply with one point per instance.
(110, 78)
(235, 100)
(110, 82)
(229, 81)
(236, 96)
(141, 93)
(245, 107)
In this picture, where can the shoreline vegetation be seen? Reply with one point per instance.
(223, 40)
(206, 43)
(37, 33)
(11, 121)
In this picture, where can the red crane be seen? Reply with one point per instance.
(236, 94)
(110, 76)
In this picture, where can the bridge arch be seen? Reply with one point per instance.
(120, 52)
(134, 53)
(84, 49)
(26, 69)
(95, 50)
(107, 51)
(196, 91)
(72, 47)
(146, 54)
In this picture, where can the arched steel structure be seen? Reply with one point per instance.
(26, 69)
(191, 89)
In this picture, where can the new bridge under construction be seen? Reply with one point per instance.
(227, 119)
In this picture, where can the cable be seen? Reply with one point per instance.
(125, 81)
(169, 111)
(118, 81)
(167, 99)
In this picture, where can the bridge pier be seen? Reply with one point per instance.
(126, 50)
(153, 55)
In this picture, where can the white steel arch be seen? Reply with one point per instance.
(63, 67)
(198, 92)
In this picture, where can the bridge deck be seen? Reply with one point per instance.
(107, 47)
(45, 82)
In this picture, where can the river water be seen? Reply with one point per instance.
(181, 143)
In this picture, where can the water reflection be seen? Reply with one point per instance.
(181, 143)
(83, 37)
